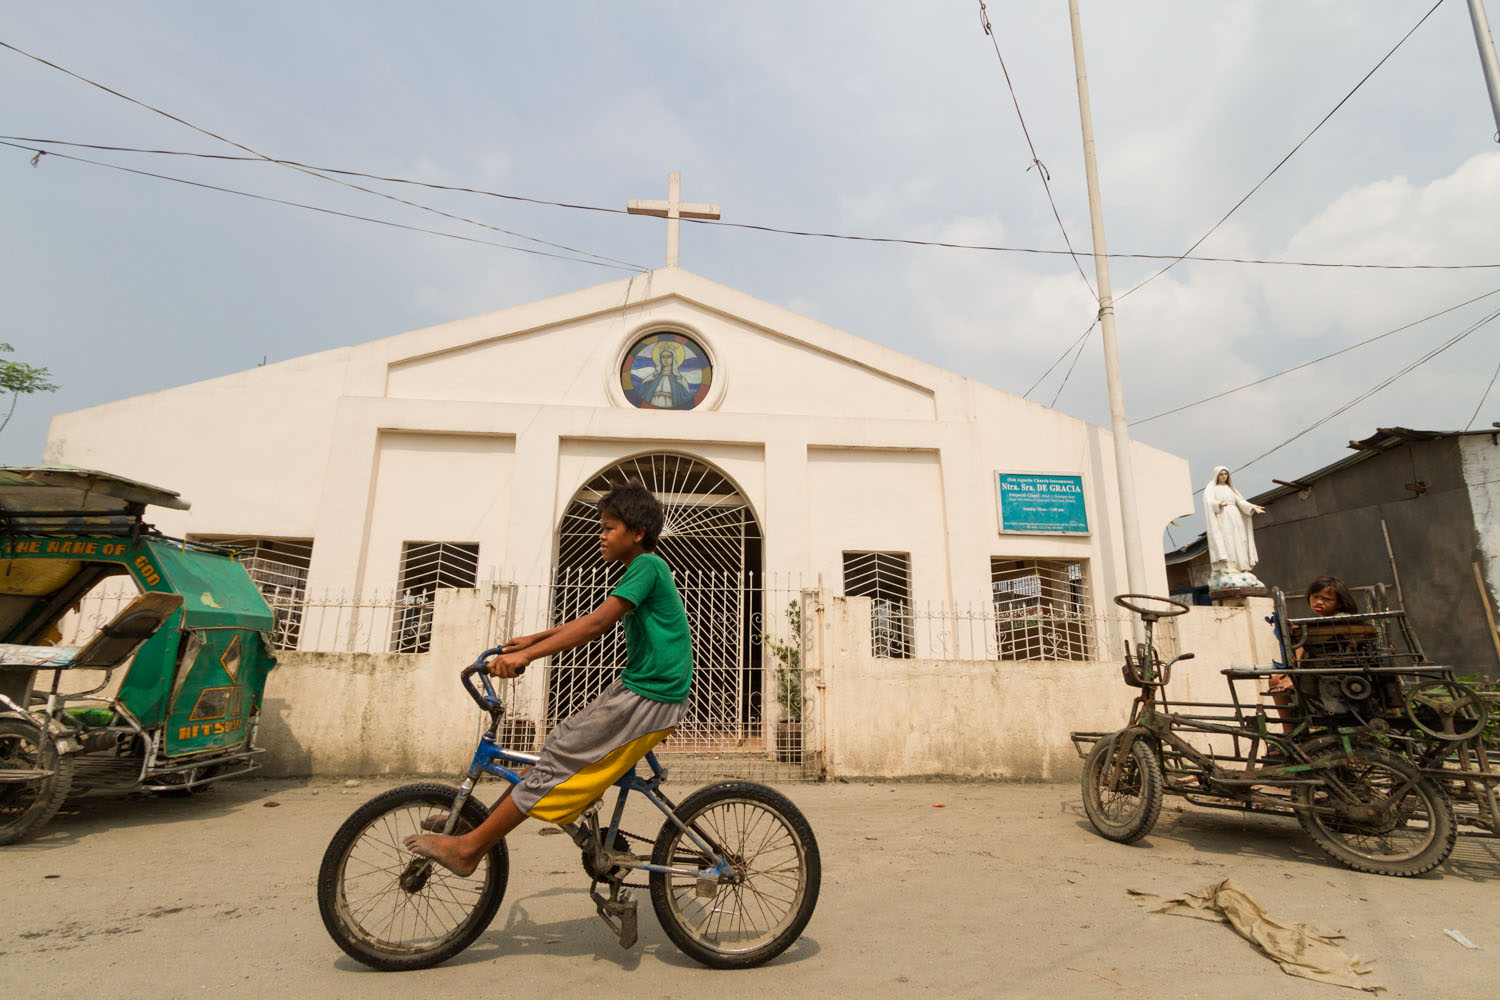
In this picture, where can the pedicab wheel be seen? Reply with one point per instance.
(26, 805)
(755, 913)
(387, 908)
(1126, 810)
(1377, 813)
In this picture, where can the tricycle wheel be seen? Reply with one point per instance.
(392, 910)
(1375, 812)
(27, 804)
(1124, 810)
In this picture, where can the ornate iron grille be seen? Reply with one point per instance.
(1042, 609)
(426, 566)
(711, 540)
(885, 578)
(278, 568)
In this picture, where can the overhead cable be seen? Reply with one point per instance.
(1284, 159)
(1305, 364)
(328, 211)
(310, 171)
(1475, 415)
(1069, 373)
(1064, 354)
(1041, 169)
(773, 229)
(1406, 370)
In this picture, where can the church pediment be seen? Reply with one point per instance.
(674, 342)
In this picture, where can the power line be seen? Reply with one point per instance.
(311, 172)
(770, 229)
(325, 211)
(1112, 256)
(1064, 354)
(1041, 169)
(1305, 364)
(1069, 373)
(1285, 158)
(1372, 391)
(1475, 415)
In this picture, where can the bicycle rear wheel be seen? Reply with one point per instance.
(764, 906)
(387, 908)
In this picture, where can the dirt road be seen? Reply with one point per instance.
(1004, 891)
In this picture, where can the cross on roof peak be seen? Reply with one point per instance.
(673, 209)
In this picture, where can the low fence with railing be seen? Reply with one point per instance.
(733, 615)
(1006, 634)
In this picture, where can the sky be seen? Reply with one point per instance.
(848, 117)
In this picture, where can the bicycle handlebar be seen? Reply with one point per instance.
(487, 702)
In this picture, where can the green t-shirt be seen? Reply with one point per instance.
(658, 648)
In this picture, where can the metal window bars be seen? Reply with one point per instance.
(278, 568)
(1042, 610)
(885, 578)
(425, 568)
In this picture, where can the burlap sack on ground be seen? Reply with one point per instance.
(1299, 950)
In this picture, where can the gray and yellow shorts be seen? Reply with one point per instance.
(590, 750)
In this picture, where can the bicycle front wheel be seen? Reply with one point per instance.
(754, 915)
(392, 910)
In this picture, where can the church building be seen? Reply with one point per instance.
(782, 449)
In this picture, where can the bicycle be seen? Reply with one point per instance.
(733, 873)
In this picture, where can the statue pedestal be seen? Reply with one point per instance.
(1236, 597)
(1233, 587)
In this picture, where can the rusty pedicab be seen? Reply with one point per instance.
(162, 697)
(1359, 750)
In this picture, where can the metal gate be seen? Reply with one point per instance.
(711, 540)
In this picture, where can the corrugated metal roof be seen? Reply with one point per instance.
(1384, 439)
(77, 500)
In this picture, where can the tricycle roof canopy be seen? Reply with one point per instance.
(77, 501)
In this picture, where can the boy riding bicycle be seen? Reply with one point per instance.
(591, 749)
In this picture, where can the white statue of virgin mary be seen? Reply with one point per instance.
(1231, 540)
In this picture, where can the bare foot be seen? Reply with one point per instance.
(444, 850)
(436, 822)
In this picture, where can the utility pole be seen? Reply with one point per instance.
(1135, 566)
(1486, 43)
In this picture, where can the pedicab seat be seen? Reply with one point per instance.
(111, 646)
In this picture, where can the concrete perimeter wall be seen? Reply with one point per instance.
(393, 713)
(890, 718)
(379, 713)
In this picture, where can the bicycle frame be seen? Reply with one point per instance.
(493, 759)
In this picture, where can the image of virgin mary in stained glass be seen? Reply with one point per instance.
(665, 371)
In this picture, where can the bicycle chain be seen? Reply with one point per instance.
(631, 836)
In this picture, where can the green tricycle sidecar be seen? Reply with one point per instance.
(191, 643)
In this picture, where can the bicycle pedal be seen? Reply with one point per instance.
(627, 923)
(620, 915)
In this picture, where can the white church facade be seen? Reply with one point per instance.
(782, 448)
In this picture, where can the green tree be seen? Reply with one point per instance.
(20, 379)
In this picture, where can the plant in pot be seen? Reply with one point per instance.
(788, 677)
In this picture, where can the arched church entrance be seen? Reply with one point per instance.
(713, 543)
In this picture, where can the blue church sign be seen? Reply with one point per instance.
(1042, 504)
